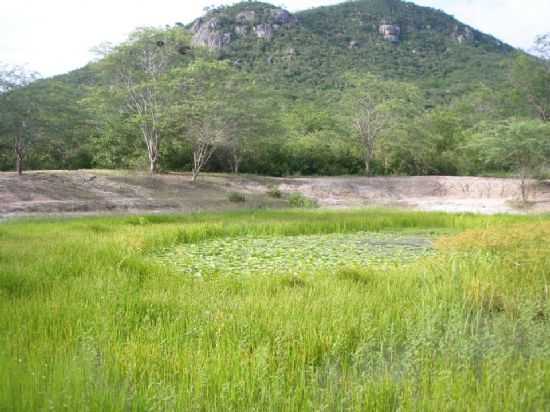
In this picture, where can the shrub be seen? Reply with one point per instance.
(301, 201)
(275, 193)
(236, 197)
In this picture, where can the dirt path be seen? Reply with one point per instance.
(96, 191)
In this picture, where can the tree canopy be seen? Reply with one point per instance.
(326, 94)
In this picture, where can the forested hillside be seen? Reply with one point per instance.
(428, 47)
(369, 86)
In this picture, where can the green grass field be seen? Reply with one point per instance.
(276, 311)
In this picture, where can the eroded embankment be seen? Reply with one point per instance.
(93, 192)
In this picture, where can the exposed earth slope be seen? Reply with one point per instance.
(96, 192)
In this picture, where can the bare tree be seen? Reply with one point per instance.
(144, 102)
(139, 68)
(203, 109)
(206, 137)
(376, 107)
(143, 97)
(369, 123)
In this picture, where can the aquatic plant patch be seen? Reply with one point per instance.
(293, 254)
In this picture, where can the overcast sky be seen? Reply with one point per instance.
(55, 36)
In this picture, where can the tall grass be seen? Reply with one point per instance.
(88, 322)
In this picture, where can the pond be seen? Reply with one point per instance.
(293, 254)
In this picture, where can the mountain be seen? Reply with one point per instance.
(308, 52)
(389, 38)
(304, 63)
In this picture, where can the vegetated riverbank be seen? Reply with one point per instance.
(88, 321)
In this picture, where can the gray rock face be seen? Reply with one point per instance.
(247, 16)
(391, 32)
(208, 32)
(264, 31)
(242, 30)
(282, 17)
(463, 34)
(277, 19)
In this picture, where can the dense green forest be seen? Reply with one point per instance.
(376, 87)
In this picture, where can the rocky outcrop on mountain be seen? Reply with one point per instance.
(463, 34)
(247, 16)
(282, 17)
(210, 32)
(207, 33)
(391, 32)
(264, 31)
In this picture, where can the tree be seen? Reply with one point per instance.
(318, 142)
(63, 127)
(376, 106)
(429, 144)
(18, 111)
(239, 114)
(138, 69)
(542, 46)
(531, 78)
(248, 114)
(206, 136)
(371, 120)
(200, 106)
(522, 146)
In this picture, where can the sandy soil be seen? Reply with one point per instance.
(96, 191)
(429, 193)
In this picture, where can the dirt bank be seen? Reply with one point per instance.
(95, 191)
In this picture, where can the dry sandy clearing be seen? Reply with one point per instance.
(96, 191)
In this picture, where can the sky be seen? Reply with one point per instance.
(56, 36)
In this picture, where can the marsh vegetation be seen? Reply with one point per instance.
(90, 321)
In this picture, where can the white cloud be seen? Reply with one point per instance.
(54, 36)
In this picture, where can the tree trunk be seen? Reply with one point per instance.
(235, 160)
(367, 167)
(369, 154)
(19, 154)
(524, 188)
(153, 153)
(19, 164)
(195, 175)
